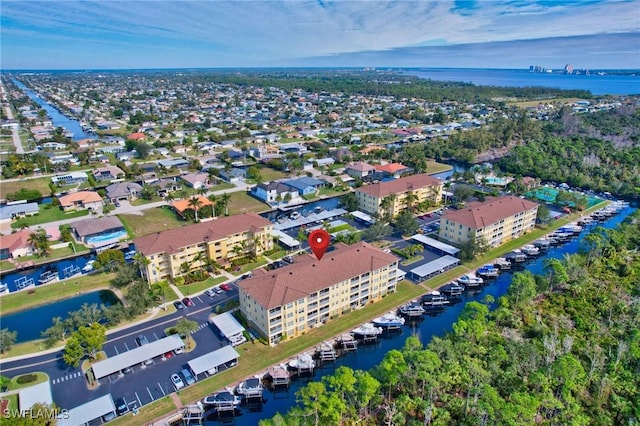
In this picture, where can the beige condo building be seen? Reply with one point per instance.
(219, 240)
(494, 221)
(286, 302)
(397, 195)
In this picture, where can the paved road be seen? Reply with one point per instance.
(14, 129)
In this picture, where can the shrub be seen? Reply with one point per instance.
(26, 378)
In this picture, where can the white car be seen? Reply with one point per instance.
(177, 381)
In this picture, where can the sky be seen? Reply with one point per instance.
(112, 34)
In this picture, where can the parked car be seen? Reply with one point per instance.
(187, 301)
(218, 290)
(121, 406)
(178, 351)
(168, 354)
(177, 381)
(188, 377)
(117, 204)
(126, 370)
(109, 416)
(142, 340)
(225, 287)
(178, 304)
(210, 292)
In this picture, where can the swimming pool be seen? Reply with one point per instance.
(499, 181)
(116, 235)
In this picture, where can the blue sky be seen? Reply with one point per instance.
(116, 34)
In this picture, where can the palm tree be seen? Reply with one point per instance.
(141, 262)
(225, 203)
(40, 242)
(410, 198)
(195, 203)
(169, 198)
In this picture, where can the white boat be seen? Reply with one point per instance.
(48, 277)
(250, 388)
(412, 310)
(470, 280)
(488, 271)
(4, 289)
(453, 289)
(304, 361)
(530, 250)
(388, 321)
(89, 266)
(434, 298)
(368, 329)
(502, 263)
(516, 256)
(223, 400)
(542, 243)
(129, 255)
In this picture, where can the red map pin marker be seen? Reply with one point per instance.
(319, 241)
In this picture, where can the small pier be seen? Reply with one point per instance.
(279, 377)
(193, 413)
(70, 271)
(326, 353)
(24, 282)
(347, 343)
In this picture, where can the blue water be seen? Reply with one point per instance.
(65, 268)
(107, 237)
(596, 84)
(369, 356)
(30, 323)
(58, 119)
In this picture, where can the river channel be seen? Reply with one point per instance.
(58, 119)
(368, 356)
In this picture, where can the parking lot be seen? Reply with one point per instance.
(145, 383)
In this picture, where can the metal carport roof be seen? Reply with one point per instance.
(213, 359)
(428, 269)
(136, 356)
(286, 239)
(40, 393)
(86, 412)
(227, 324)
(446, 248)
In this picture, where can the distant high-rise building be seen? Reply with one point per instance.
(568, 69)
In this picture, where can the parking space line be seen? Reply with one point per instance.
(150, 394)
(154, 335)
(161, 390)
(116, 349)
(125, 345)
(138, 398)
(200, 300)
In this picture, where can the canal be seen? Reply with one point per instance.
(368, 356)
(31, 323)
(58, 119)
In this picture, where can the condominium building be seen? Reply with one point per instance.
(494, 221)
(220, 240)
(288, 301)
(399, 194)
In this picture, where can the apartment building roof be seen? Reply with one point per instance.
(309, 275)
(396, 186)
(480, 214)
(172, 240)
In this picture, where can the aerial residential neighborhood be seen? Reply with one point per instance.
(179, 218)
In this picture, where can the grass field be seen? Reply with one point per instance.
(241, 202)
(47, 213)
(39, 184)
(268, 174)
(151, 221)
(434, 167)
(194, 288)
(534, 103)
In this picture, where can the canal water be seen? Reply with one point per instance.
(368, 356)
(30, 323)
(58, 119)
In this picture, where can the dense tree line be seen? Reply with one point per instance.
(560, 348)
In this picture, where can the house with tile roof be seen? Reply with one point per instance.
(88, 229)
(289, 301)
(221, 240)
(123, 191)
(397, 195)
(274, 192)
(181, 206)
(15, 245)
(494, 221)
(81, 200)
(359, 169)
(392, 169)
(107, 173)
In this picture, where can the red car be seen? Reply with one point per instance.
(187, 302)
(225, 287)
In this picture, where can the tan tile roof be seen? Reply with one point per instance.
(182, 205)
(16, 240)
(83, 196)
(396, 186)
(361, 166)
(481, 214)
(171, 241)
(309, 275)
(390, 167)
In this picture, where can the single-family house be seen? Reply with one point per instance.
(165, 186)
(70, 178)
(178, 163)
(123, 191)
(108, 173)
(181, 206)
(81, 200)
(15, 245)
(100, 231)
(359, 169)
(233, 175)
(196, 180)
(393, 169)
(305, 185)
(274, 192)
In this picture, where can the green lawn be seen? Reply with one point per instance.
(434, 167)
(39, 184)
(268, 174)
(241, 202)
(198, 287)
(151, 221)
(47, 213)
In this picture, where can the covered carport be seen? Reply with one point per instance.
(363, 217)
(287, 240)
(229, 327)
(211, 362)
(435, 245)
(136, 356)
(91, 410)
(36, 394)
(433, 268)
